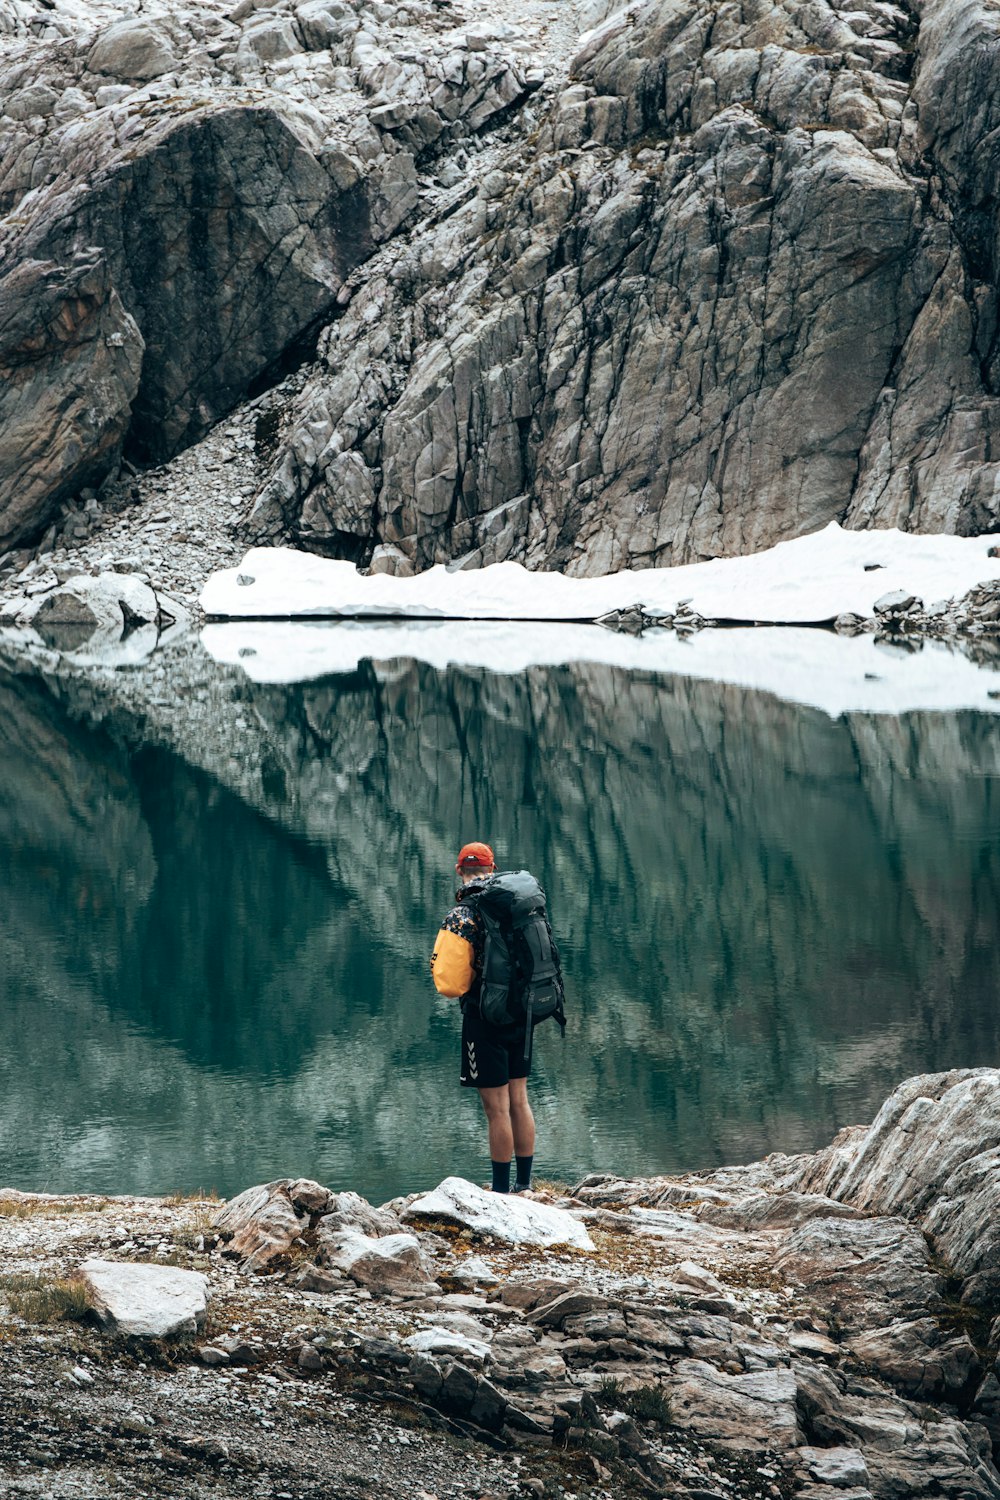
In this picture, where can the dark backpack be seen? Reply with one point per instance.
(521, 979)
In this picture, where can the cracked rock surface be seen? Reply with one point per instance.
(740, 282)
(682, 285)
(185, 192)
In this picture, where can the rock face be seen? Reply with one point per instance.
(70, 360)
(944, 1127)
(225, 239)
(222, 178)
(741, 288)
(145, 1301)
(392, 1263)
(721, 278)
(910, 1284)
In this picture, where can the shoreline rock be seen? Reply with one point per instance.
(817, 1325)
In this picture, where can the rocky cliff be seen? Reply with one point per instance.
(698, 279)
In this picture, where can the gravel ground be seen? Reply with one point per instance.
(84, 1414)
(92, 1415)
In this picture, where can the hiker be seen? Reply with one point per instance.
(496, 1054)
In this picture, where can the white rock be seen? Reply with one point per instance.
(472, 1270)
(145, 1301)
(103, 604)
(840, 1467)
(389, 559)
(443, 1341)
(688, 1273)
(111, 94)
(504, 1216)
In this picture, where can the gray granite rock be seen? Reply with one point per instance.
(723, 282)
(132, 51)
(642, 355)
(944, 1128)
(392, 1263)
(145, 1301)
(260, 1224)
(820, 1346)
(752, 1412)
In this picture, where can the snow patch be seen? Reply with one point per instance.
(808, 580)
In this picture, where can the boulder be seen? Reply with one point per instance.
(133, 51)
(842, 1468)
(394, 1263)
(441, 1341)
(269, 39)
(350, 1210)
(145, 1301)
(472, 1271)
(897, 604)
(499, 1216)
(107, 605)
(263, 1223)
(34, 102)
(260, 1224)
(324, 23)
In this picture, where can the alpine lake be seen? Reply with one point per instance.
(218, 915)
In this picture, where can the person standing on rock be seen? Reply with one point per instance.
(496, 1053)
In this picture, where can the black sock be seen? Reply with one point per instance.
(523, 1178)
(501, 1176)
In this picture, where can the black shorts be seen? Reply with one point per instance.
(491, 1055)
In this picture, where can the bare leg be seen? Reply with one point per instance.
(521, 1119)
(496, 1103)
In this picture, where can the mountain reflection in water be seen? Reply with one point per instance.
(767, 917)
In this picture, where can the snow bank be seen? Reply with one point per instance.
(837, 674)
(807, 580)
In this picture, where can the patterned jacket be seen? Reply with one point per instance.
(457, 960)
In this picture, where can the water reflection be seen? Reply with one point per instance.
(768, 917)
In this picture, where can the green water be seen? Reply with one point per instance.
(213, 965)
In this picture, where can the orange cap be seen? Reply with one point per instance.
(475, 857)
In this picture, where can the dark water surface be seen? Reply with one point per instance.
(213, 965)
